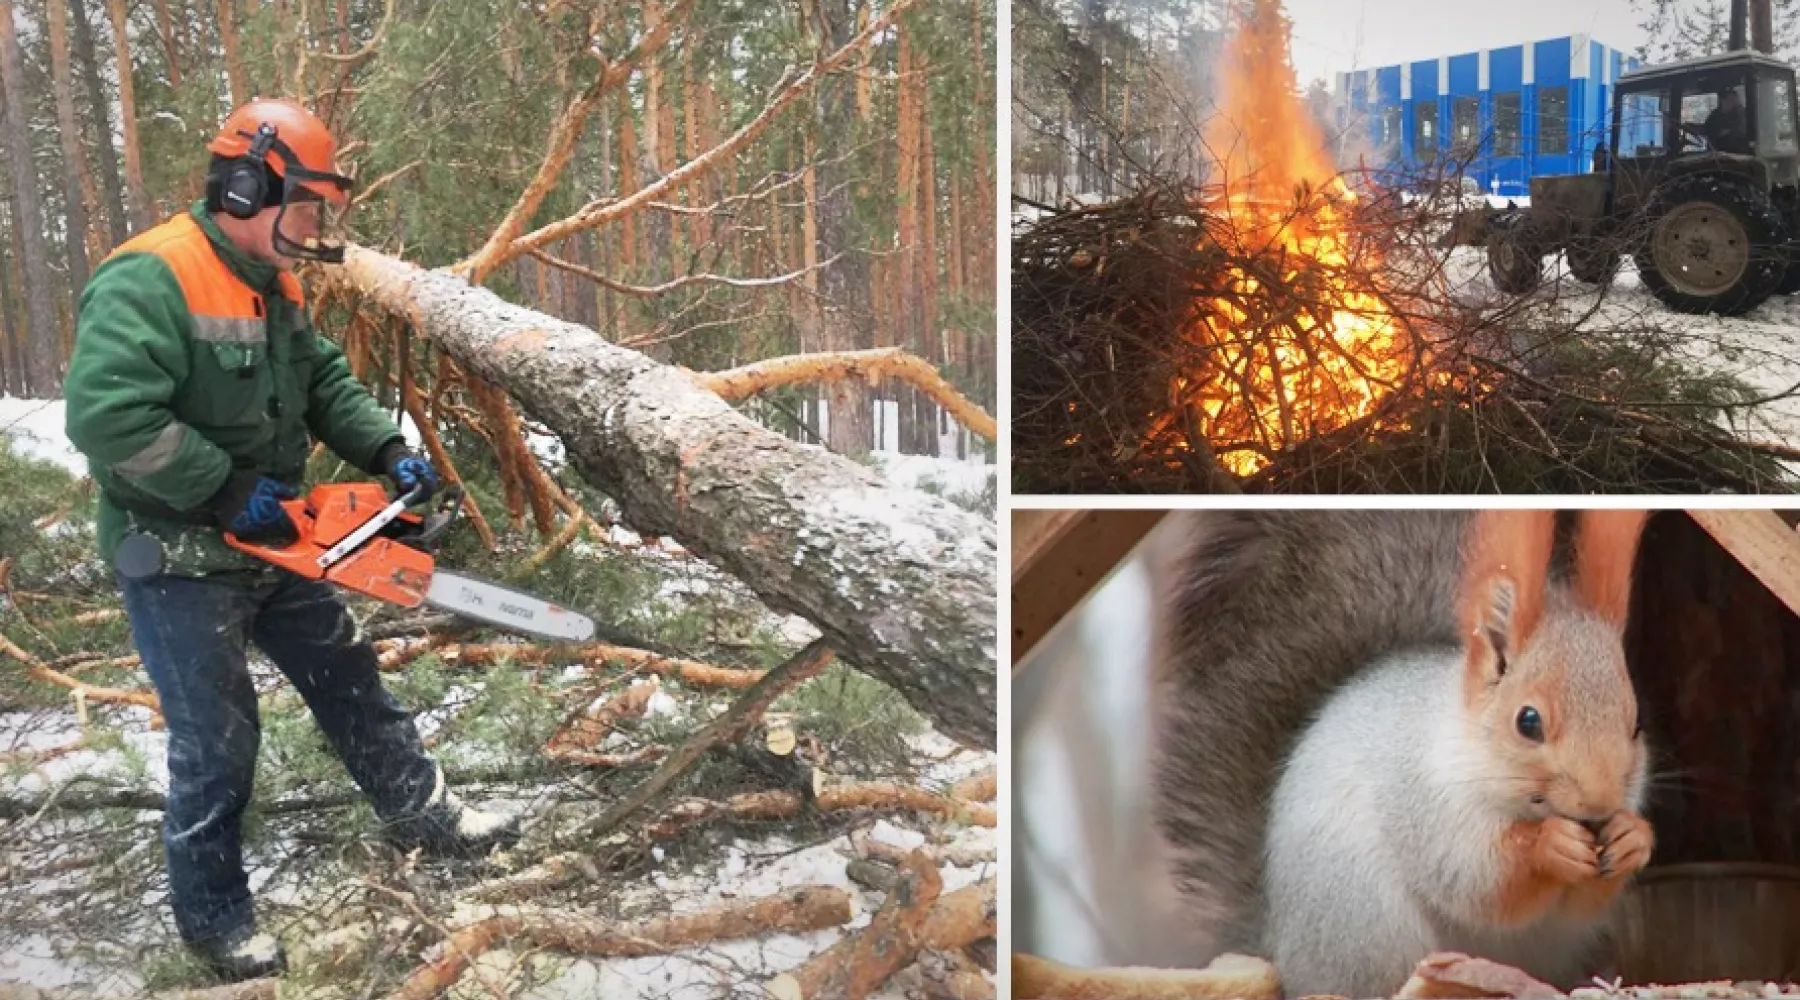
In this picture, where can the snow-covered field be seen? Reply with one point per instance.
(746, 867)
(1761, 349)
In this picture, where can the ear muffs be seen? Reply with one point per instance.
(244, 185)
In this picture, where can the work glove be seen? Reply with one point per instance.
(408, 470)
(249, 506)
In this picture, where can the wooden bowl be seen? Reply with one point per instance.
(1696, 922)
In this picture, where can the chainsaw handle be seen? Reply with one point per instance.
(448, 507)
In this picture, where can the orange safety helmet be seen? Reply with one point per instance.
(301, 136)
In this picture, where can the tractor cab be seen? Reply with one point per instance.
(1732, 113)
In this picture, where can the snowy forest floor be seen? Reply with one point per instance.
(83, 902)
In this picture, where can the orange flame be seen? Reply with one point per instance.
(1307, 346)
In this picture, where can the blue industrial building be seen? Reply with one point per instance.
(1512, 113)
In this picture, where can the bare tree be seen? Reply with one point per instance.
(43, 354)
(106, 163)
(143, 211)
(68, 127)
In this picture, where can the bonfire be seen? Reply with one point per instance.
(1300, 340)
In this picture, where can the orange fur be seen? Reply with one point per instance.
(1508, 551)
(1526, 892)
(1606, 546)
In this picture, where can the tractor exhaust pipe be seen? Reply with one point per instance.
(1740, 18)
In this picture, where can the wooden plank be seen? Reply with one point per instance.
(1034, 532)
(1764, 543)
(1059, 557)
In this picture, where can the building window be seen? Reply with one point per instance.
(1465, 118)
(1425, 134)
(1506, 125)
(1390, 129)
(1553, 121)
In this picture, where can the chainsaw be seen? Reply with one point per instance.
(352, 535)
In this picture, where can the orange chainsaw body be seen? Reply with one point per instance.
(381, 567)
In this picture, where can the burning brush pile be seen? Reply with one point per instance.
(1272, 330)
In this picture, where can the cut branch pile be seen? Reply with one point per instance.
(1134, 336)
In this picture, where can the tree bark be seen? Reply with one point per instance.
(861, 961)
(899, 581)
(165, 27)
(805, 908)
(872, 366)
(143, 210)
(75, 207)
(100, 115)
(43, 343)
(852, 430)
(235, 73)
(11, 339)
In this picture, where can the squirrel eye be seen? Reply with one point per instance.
(1531, 725)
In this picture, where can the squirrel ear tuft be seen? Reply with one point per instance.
(1606, 545)
(1508, 560)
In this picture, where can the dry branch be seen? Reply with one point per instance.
(561, 145)
(860, 962)
(587, 727)
(900, 582)
(592, 217)
(963, 917)
(805, 908)
(780, 804)
(950, 976)
(981, 787)
(872, 366)
(676, 284)
(93, 693)
(687, 671)
(799, 667)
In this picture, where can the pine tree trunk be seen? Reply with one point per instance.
(235, 73)
(44, 360)
(852, 420)
(12, 340)
(900, 583)
(906, 202)
(982, 271)
(956, 351)
(661, 146)
(100, 124)
(812, 330)
(75, 201)
(143, 210)
(690, 140)
(165, 27)
(930, 347)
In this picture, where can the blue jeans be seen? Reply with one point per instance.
(192, 634)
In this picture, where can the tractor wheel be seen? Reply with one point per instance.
(1715, 245)
(1592, 261)
(1513, 263)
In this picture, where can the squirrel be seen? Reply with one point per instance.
(1380, 734)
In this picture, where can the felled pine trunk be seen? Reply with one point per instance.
(901, 582)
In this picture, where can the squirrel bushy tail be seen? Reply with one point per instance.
(1268, 612)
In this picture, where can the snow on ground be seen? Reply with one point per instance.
(1761, 348)
(746, 867)
(36, 429)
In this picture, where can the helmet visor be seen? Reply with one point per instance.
(308, 227)
(311, 226)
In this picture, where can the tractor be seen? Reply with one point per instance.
(1700, 184)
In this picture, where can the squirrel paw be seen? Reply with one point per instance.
(1625, 844)
(1565, 851)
